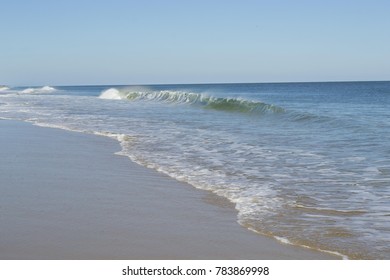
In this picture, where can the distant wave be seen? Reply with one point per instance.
(45, 89)
(4, 88)
(179, 97)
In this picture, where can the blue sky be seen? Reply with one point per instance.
(150, 42)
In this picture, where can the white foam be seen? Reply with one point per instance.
(45, 89)
(284, 240)
(63, 127)
(4, 88)
(111, 93)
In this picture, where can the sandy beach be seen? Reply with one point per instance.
(66, 195)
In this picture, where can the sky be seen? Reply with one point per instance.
(82, 42)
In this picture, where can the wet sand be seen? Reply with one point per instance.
(66, 195)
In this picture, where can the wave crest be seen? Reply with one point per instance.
(45, 89)
(209, 102)
(4, 88)
(111, 93)
(179, 97)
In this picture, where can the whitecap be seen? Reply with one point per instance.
(45, 89)
(111, 93)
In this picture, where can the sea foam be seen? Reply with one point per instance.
(111, 93)
(45, 89)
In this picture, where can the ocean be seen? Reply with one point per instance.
(305, 163)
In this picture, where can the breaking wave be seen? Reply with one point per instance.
(45, 89)
(111, 93)
(240, 105)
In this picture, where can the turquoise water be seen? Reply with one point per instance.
(306, 163)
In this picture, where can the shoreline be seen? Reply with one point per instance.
(67, 195)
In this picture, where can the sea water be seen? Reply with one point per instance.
(305, 163)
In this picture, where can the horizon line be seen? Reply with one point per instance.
(197, 83)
